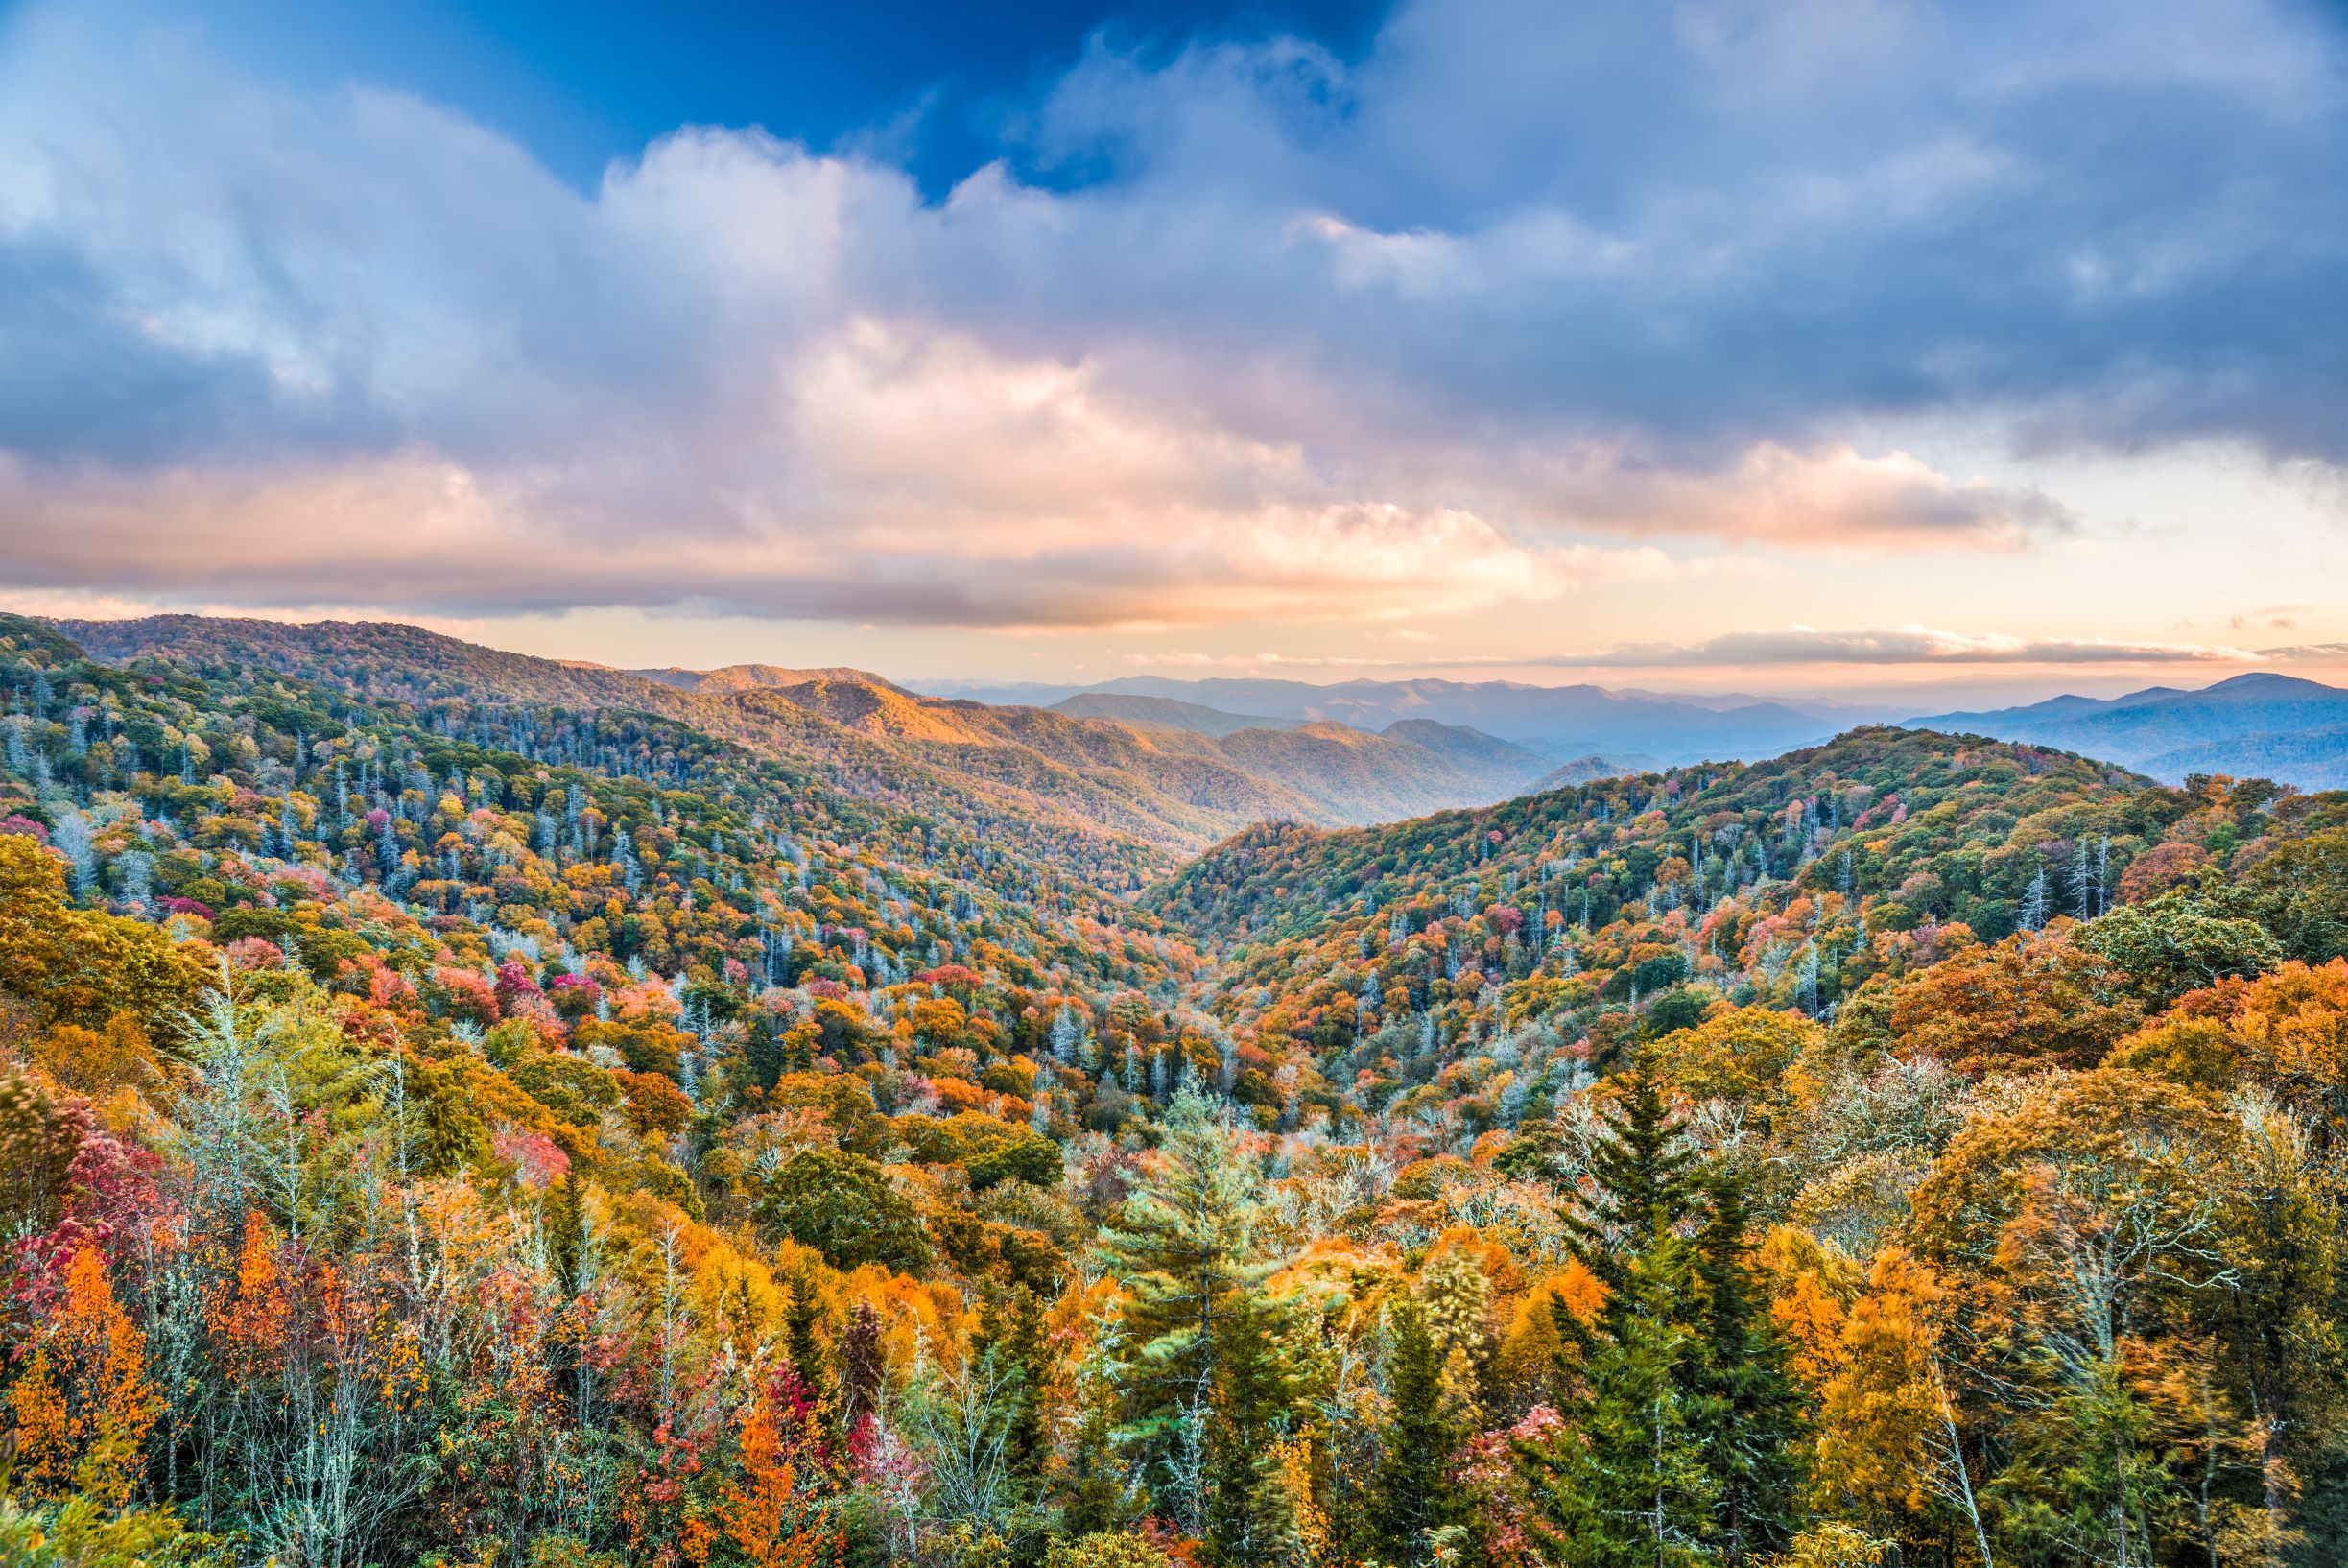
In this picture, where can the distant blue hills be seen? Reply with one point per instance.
(1559, 723)
(2264, 724)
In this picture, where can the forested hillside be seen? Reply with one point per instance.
(1089, 790)
(463, 1110)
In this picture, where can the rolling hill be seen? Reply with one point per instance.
(637, 1002)
(1131, 708)
(1082, 787)
(2254, 726)
(1557, 722)
(744, 678)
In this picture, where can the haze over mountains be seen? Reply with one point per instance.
(1558, 723)
(2262, 725)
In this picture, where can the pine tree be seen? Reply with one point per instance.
(1687, 1428)
(1628, 1479)
(1064, 1035)
(1249, 1510)
(1027, 1443)
(1092, 1491)
(565, 1231)
(1624, 1482)
(1641, 1182)
(1413, 1491)
(1752, 1422)
(1199, 1334)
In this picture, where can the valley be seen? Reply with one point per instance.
(930, 1023)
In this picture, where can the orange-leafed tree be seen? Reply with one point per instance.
(774, 1516)
(2030, 1001)
(2083, 1226)
(1889, 1440)
(84, 1404)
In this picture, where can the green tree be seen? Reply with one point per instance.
(1641, 1182)
(1029, 1157)
(1201, 1373)
(842, 1205)
(1412, 1493)
(1683, 1438)
(1626, 1480)
(2300, 892)
(1249, 1513)
(1015, 1331)
(1752, 1412)
(2175, 944)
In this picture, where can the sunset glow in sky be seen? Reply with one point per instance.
(1762, 345)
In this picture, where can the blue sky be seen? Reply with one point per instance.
(933, 82)
(1831, 342)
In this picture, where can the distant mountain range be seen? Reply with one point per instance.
(2255, 726)
(1129, 708)
(1145, 768)
(1556, 723)
(1159, 777)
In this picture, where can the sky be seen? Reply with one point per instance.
(1832, 345)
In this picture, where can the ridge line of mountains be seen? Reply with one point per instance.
(1130, 777)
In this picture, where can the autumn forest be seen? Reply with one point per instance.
(443, 1124)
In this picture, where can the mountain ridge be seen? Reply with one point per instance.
(1559, 723)
(2258, 724)
(1154, 790)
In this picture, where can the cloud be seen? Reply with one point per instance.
(934, 482)
(1894, 644)
(1888, 646)
(1247, 331)
(1831, 497)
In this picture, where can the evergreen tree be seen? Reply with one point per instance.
(1203, 1376)
(1021, 1343)
(1751, 1422)
(1687, 1428)
(1094, 1493)
(1247, 1512)
(1640, 1185)
(1413, 1491)
(1624, 1480)
(1682, 1442)
(565, 1231)
(1628, 1479)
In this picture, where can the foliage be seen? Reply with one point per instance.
(457, 1108)
(842, 1205)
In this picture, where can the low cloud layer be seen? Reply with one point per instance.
(1897, 645)
(1524, 300)
(1800, 647)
